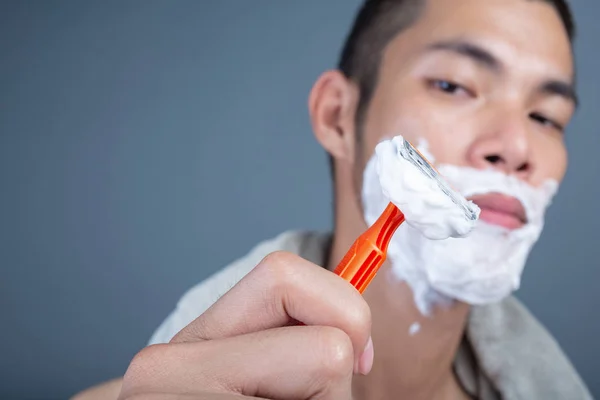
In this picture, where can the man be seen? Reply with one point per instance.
(488, 84)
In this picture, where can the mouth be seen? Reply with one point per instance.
(502, 210)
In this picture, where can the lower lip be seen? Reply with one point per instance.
(501, 219)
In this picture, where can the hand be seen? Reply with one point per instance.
(249, 343)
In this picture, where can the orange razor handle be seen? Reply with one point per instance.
(368, 253)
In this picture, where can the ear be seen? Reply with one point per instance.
(332, 105)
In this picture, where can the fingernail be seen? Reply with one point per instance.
(365, 363)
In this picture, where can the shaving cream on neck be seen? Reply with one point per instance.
(428, 254)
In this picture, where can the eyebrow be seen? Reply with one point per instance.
(474, 52)
(487, 60)
(563, 89)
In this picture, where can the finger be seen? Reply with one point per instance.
(282, 363)
(282, 289)
(205, 396)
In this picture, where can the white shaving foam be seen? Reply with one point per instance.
(414, 328)
(481, 268)
(424, 205)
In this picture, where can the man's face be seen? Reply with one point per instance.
(485, 83)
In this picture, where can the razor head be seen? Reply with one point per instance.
(412, 155)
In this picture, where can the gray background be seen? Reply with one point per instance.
(145, 144)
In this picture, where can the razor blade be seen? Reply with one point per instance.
(412, 155)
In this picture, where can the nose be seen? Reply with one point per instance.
(504, 146)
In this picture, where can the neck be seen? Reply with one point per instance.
(414, 363)
(415, 366)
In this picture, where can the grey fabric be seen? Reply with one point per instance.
(519, 355)
(472, 379)
(505, 354)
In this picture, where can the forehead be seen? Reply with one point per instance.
(528, 31)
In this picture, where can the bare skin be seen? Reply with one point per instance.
(486, 83)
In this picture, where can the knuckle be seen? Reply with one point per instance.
(146, 358)
(141, 369)
(278, 260)
(147, 354)
(274, 281)
(336, 353)
(278, 268)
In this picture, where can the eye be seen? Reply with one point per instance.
(449, 87)
(541, 119)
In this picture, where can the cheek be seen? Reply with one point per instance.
(553, 159)
(445, 131)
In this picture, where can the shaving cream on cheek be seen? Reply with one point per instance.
(424, 205)
(481, 268)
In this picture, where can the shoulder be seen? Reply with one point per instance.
(519, 355)
(201, 296)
